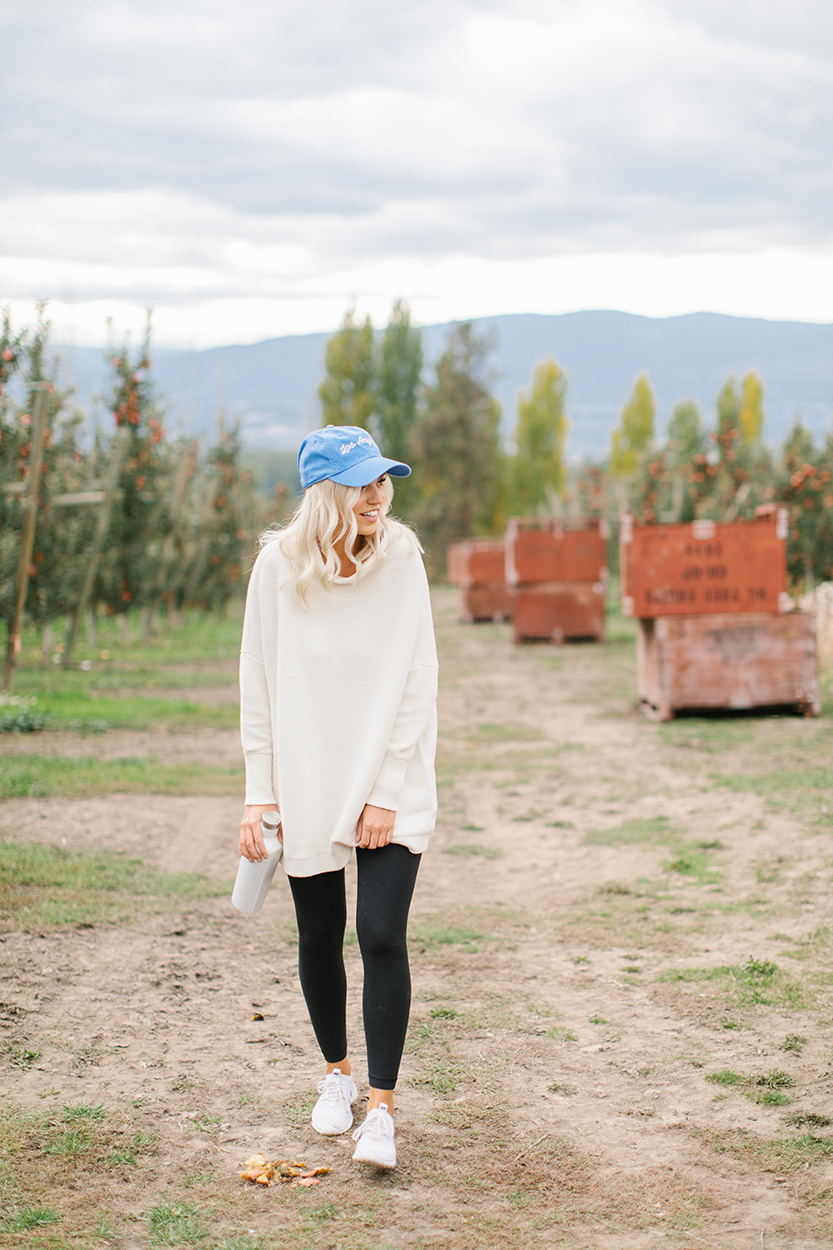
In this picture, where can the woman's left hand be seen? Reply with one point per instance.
(375, 827)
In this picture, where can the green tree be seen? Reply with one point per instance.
(139, 519)
(397, 385)
(457, 458)
(751, 414)
(636, 431)
(537, 468)
(685, 431)
(806, 489)
(346, 393)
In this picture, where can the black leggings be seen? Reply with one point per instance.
(386, 885)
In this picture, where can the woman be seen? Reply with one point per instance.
(338, 678)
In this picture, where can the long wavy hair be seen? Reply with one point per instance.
(325, 515)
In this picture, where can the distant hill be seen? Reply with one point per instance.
(271, 386)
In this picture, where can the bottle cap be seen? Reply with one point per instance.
(272, 819)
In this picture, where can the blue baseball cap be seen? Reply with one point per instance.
(345, 454)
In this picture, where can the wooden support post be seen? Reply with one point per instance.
(27, 538)
(110, 484)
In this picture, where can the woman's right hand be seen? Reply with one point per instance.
(252, 846)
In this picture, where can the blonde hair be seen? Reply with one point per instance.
(325, 515)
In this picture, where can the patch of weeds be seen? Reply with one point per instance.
(322, 1213)
(21, 1056)
(726, 1076)
(444, 1013)
(45, 776)
(70, 1144)
(631, 832)
(692, 861)
(597, 1019)
(206, 1122)
(474, 848)
(427, 934)
(297, 1111)
(190, 1179)
(558, 1088)
(730, 1024)
(88, 1056)
(75, 1112)
(49, 887)
(757, 982)
(808, 1119)
(128, 1154)
(794, 1042)
(779, 1155)
(174, 1224)
(769, 870)
(19, 714)
(242, 1241)
(181, 1083)
(28, 1218)
(444, 1075)
(559, 824)
(561, 1034)
(764, 1088)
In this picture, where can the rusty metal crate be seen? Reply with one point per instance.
(725, 660)
(557, 612)
(547, 550)
(704, 567)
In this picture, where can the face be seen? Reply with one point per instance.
(368, 508)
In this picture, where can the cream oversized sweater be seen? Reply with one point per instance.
(338, 704)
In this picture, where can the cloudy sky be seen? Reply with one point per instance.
(250, 168)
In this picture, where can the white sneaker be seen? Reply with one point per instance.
(333, 1113)
(375, 1139)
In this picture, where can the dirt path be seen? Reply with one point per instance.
(588, 888)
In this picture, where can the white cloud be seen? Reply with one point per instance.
(190, 152)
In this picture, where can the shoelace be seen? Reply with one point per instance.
(378, 1122)
(332, 1088)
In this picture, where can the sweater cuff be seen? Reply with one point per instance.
(259, 784)
(388, 784)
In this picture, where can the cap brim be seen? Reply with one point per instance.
(369, 470)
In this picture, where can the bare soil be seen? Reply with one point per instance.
(588, 873)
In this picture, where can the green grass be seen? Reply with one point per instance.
(428, 934)
(757, 982)
(474, 848)
(177, 1224)
(44, 776)
(632, 832)
(48, 887)
(765, 1088)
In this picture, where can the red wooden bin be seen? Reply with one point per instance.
(727, 660)
(704, 567)
(558, 575)
(478, 567)
(548, 551)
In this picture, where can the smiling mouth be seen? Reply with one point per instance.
(370, 516)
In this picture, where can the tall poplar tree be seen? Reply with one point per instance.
(537, 468)
(751, 415)
(636, 431)
(397, 382)
(346, 392)
(456, 449)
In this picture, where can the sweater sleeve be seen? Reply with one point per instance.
(416, 709)
(255, 710)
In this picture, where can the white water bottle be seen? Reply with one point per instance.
(254, 879)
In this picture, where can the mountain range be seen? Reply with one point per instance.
(271, 386)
